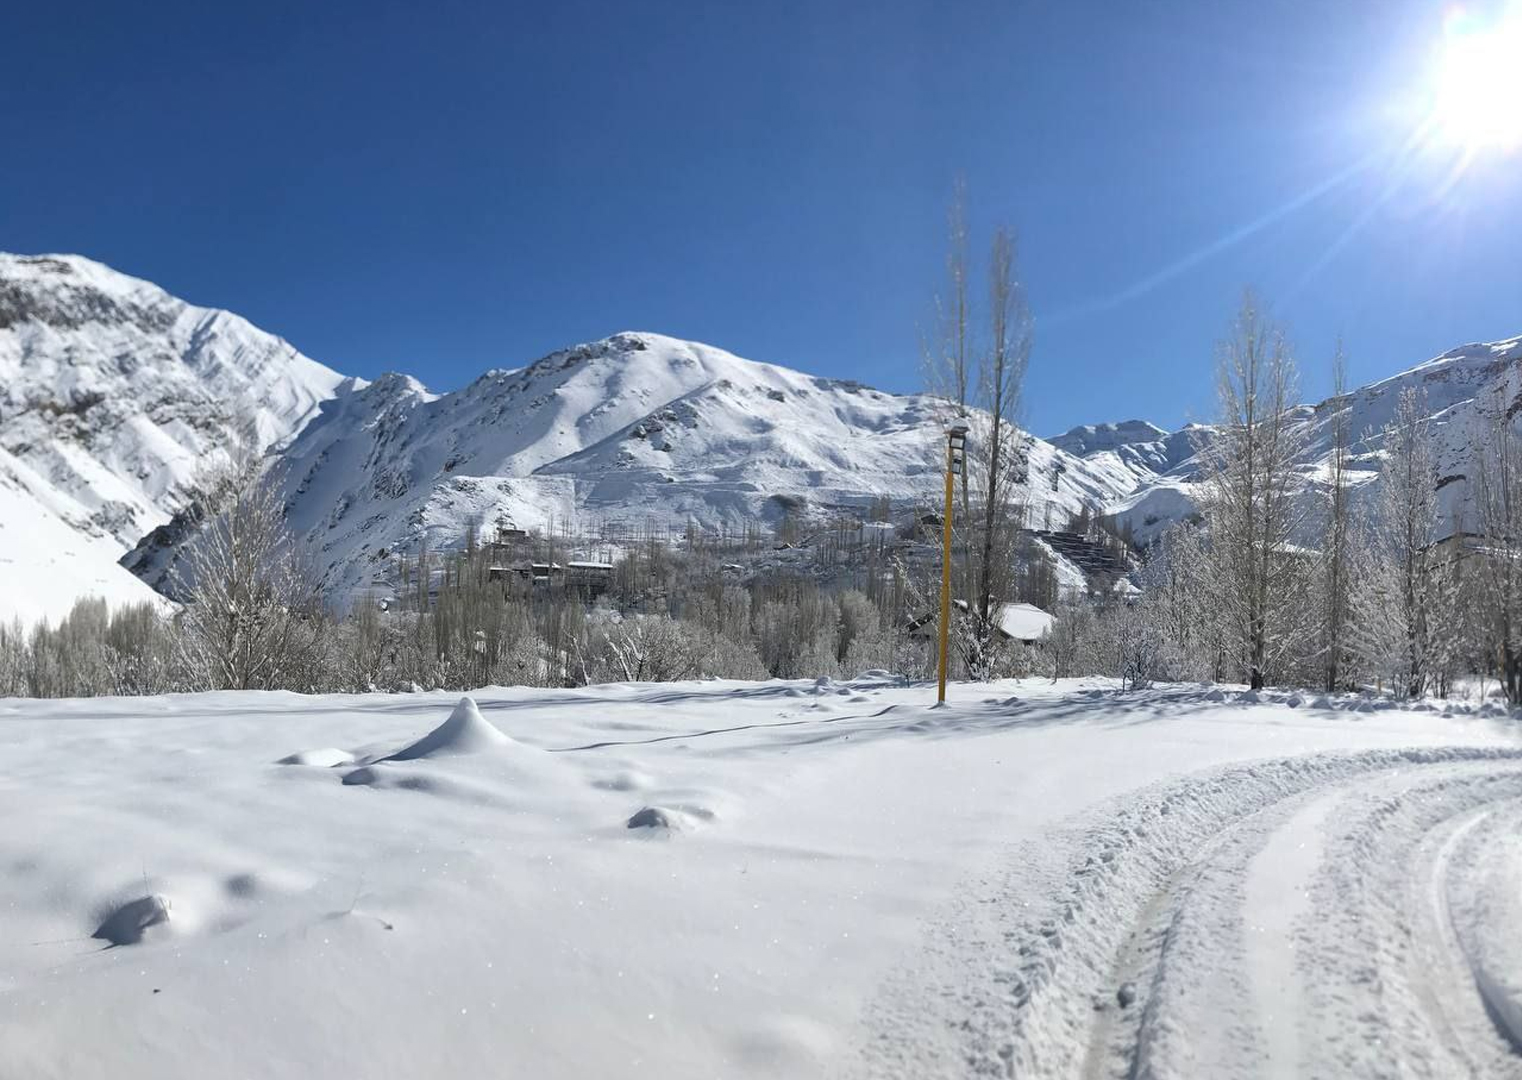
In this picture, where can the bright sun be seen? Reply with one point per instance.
(1477, 98)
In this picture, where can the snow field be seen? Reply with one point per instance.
(732, 879)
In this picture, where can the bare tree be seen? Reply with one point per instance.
(1249, 477)
(656, 648)
(250, 605)
(950, 369)
(1400, 607)
(999, 454)
(979, 384)
(1334, 548)
(1497, 558)
(1178, 604)
(948, 361)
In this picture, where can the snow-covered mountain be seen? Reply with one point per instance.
(112, 395)
(632, 429)
(1464, 389)
(1137, 447)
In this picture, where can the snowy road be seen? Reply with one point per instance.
(1041, 880)
(1325, 915)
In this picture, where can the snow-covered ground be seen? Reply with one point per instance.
(1037, 880)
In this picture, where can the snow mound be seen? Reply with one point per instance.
(625, 780)
(465, 732)
(127, 923)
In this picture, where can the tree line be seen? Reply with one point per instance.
(252, 617)
(1280, 580)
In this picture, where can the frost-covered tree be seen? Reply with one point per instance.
(1402, 626)
(1068, 649)
(139, 651)
(1336, 532)
(1178, 604)
(1494, 567)
(859, 618)
(13, 659)
(656, 648)
(92, 651)
(1258, 579)
(1122, 642)
(252, 614)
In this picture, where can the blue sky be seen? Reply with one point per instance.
(444, 188)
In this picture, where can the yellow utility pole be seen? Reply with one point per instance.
(956, 440)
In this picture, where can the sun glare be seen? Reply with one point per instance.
(1477, 99)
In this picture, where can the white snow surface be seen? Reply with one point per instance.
(828, 879)
(1025, 622)
(113, 394)
(47, 560)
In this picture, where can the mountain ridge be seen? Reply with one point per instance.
(631, 428)
(113, 393)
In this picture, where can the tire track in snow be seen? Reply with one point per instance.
(1028, 973)
(1377, 986)
(1390, 991)
(1477, 896)
(1278, 898)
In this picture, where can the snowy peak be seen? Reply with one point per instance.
(1091, 438)
(77, 335)
(1460, 375)
(1481, 355)
(1131, 452)
(631, 428)
(113, 395)
(1463, 390)
(69, 292)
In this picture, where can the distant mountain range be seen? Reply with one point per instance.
(634, 429)
(114, 393)
(1464, 390)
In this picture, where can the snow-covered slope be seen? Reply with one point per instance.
(46, 560)
(1132, 447)
(634, 428)
(112, 395)
(1464, 390)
